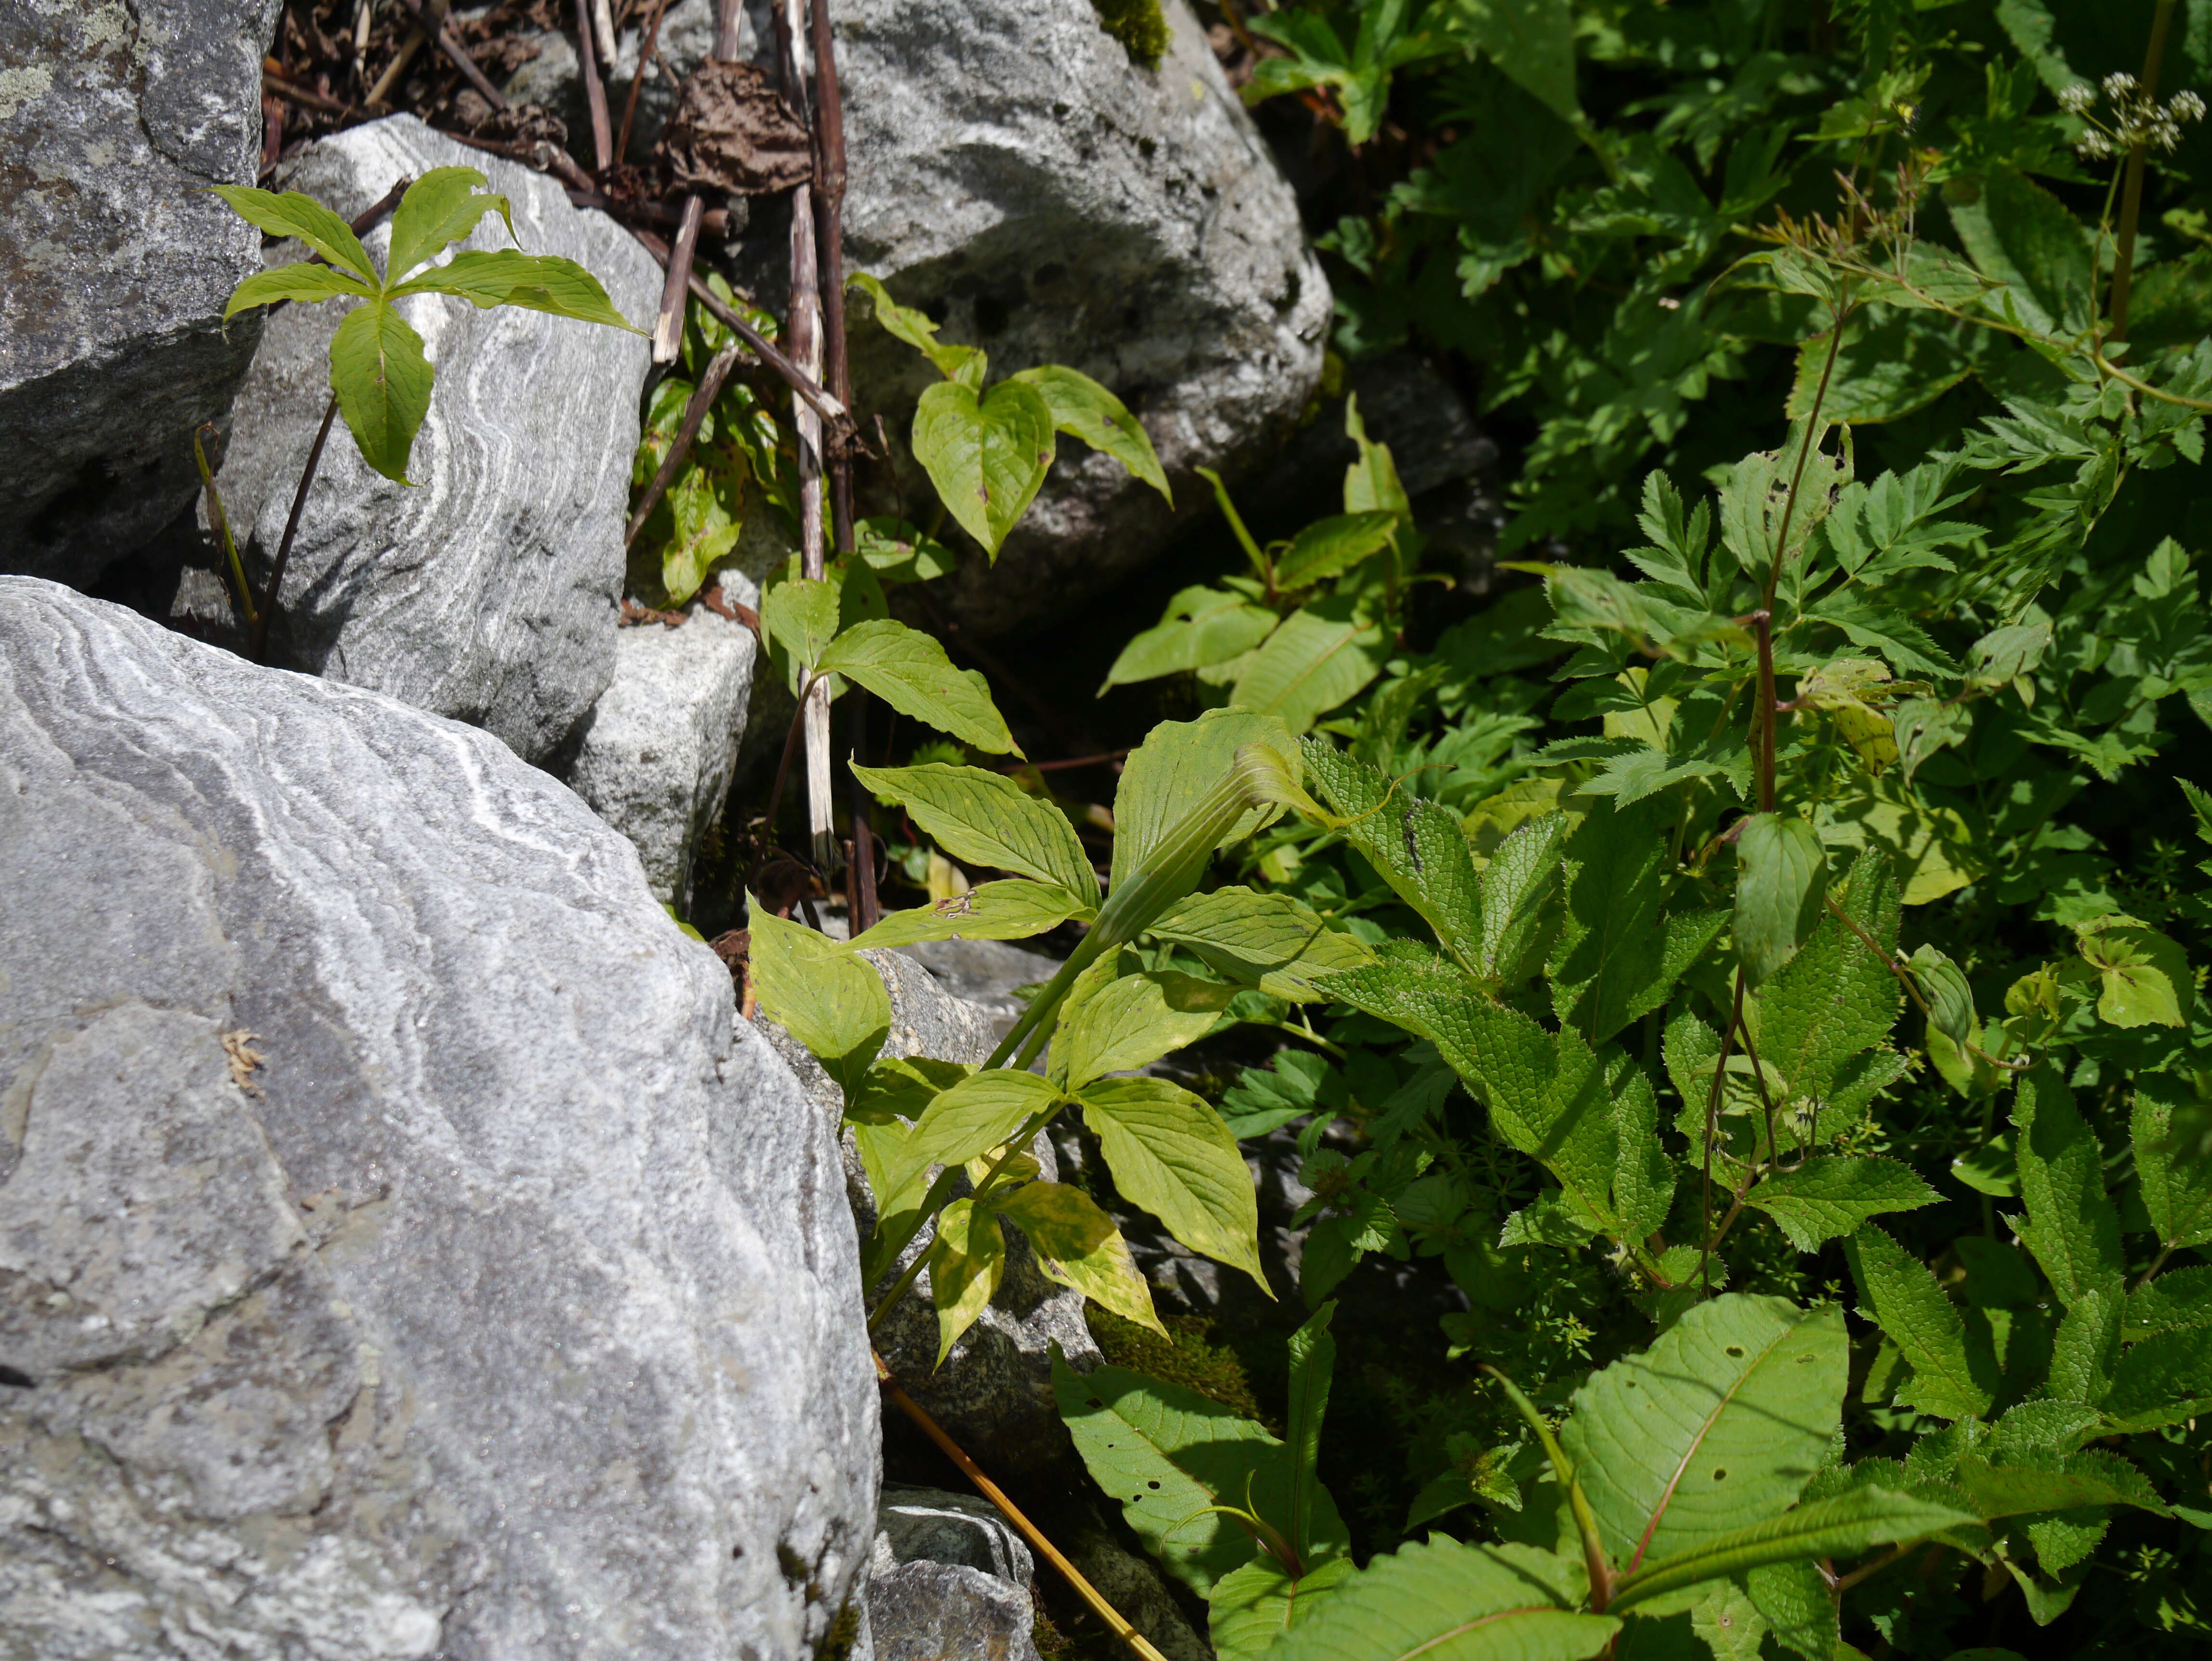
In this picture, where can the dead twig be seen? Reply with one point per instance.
(647, 48)
(440, 27)
(799, 382)
(695, 413)
(595, 91)
(304, 97)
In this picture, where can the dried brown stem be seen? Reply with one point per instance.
(695, 414)
(645, 49)
(595, 89)
(668, 331)
(448, 44)
(803, 385)
(291, 530)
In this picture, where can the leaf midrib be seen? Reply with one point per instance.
(1477, 1624)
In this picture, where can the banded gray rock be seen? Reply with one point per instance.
(404, 1249)
(115, 119)
(949, 1577)
(487, 591)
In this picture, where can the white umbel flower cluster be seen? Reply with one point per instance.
(2133, 120)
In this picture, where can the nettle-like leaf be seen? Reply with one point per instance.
(2072, 1226)
(964, 364)
(1781, 876)
(1617, 958)
(1415, 845)
(1952, 1378)
(378, 373)
(2177, 1180)
(1826, 1198)
(908, 670)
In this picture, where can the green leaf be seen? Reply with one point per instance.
(1170, 1153)
(383, 384)
(2087, 1346)
(2014, 1490)
(1950, 1000)
(1179, 766)
(2020, 234)
(1533, 42)
(1415, 845)
(1083, 409)
(811, 986)
(1781, 874)
(2072, 1226)
(1615, 961)
(897, 552)
(294, 215)
(1312, 1360)
(1727, 1415)
(966, 364)
(2176, 1183)
(1835, 1000)
(1132, 1021)
(440, 207)
(1847, 1524)
(1516, 888)
(1899, 1293)
(1253, 1606)
(1825, 1199)
(534, 282)
(1322, 654)
(1013, 910)
(300, 281)
(1166, 1452)
(2180, 1298)
(1077, 1244)
(1441, 1601)
(976, 1114)
(1267, 940)
(1202, 627)
(1330, 547)
(908, 670)
(801, 616)
(2163, 1380)
(987, 821)
(985, 456)
(2143, 978)
(902, 1086)
(967, 1263)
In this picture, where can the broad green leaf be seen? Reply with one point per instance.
(1322, 654)
(1615, 960)
(1897, 1292)
(1642, 1175)
(801, 616)
(985, 456)
(1891, 363)
(1792, 1597)
(1313, 1360)
(966, 1262)
(902, 1087)
(294, 214)
(2020, 234)
(2163, 1380)
(2087, 1346)
(1180, 764)
(1077, 1244)
(1085, 410)
(1164, 1452)
(976, 1114)
(1415, 845)
(1269, 940)
(1121, 1025)
(440, 207)
(1781, 873)
(966, 364)
(534, 282)
(1726, 1416)
(1517, 887)
(1202, 627)
(897, 552)
(987, 821)
(1826, 1198)
(1533, 42)
(1726, 1618)
(1253, 1606)
(300, 281)
(1845, 1525)
(831, 1002)
(1371, 483)
(2072, 1226)
(1330, 547)
(1441, 1601)
(2143, 978)
(2177, 1182)
(1170, 1153)
(383, 384)
(1011, 910)
(1835, 1000)
(908, 670)
(2180, 1298)
(2058, 1484)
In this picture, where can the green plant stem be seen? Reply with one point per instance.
(1713, 1132)
(1594, 1558)
(291, 530)
(220, 522)
(2123, 253)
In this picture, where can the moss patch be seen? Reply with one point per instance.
(1183, 1357)
(1139, 26)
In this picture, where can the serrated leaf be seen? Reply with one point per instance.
(1013, 910)
(1269, 940)
(967, 1263)
(1794, 1600)
(908, 670)
(2020, 234)
(831, 1002)
(1253, 1606)
(1077, 1244)
(2180, 1298)
(2176, 1181)
(987, 456)
(2072, 1226)
(1781, 874)
(1330, 547)
(1132, 1020)
(1615, 961)
(1164, 1452)
(1835, 999)
(987, 820)
(1516, 888)
(533, 282)
(1441, 1601)
(2163, 1380)
(2058, 1484)
(1726, 1415)
(1321, 655)
(1897, 1292)
(1170, 1153)
(1085, 410)
(294, 215)
(441, 207)
(2143, 977)
(1202, 627)
(382, 382)
(1826, 1198)
(300, 281)
(1415, 845)
(2087, 1346)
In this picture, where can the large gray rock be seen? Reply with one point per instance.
(487, 591)
(509, 1309)
(950, 1580)
(114, 121)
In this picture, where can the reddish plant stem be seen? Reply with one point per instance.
(595, 89)
(645, 49)
(695, 414)
(832, 412)
(291, 530)
(2123, 253)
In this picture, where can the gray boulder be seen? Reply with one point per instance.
(487, 591)
(403, 1249)
(950, 1580)
(114, 121)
